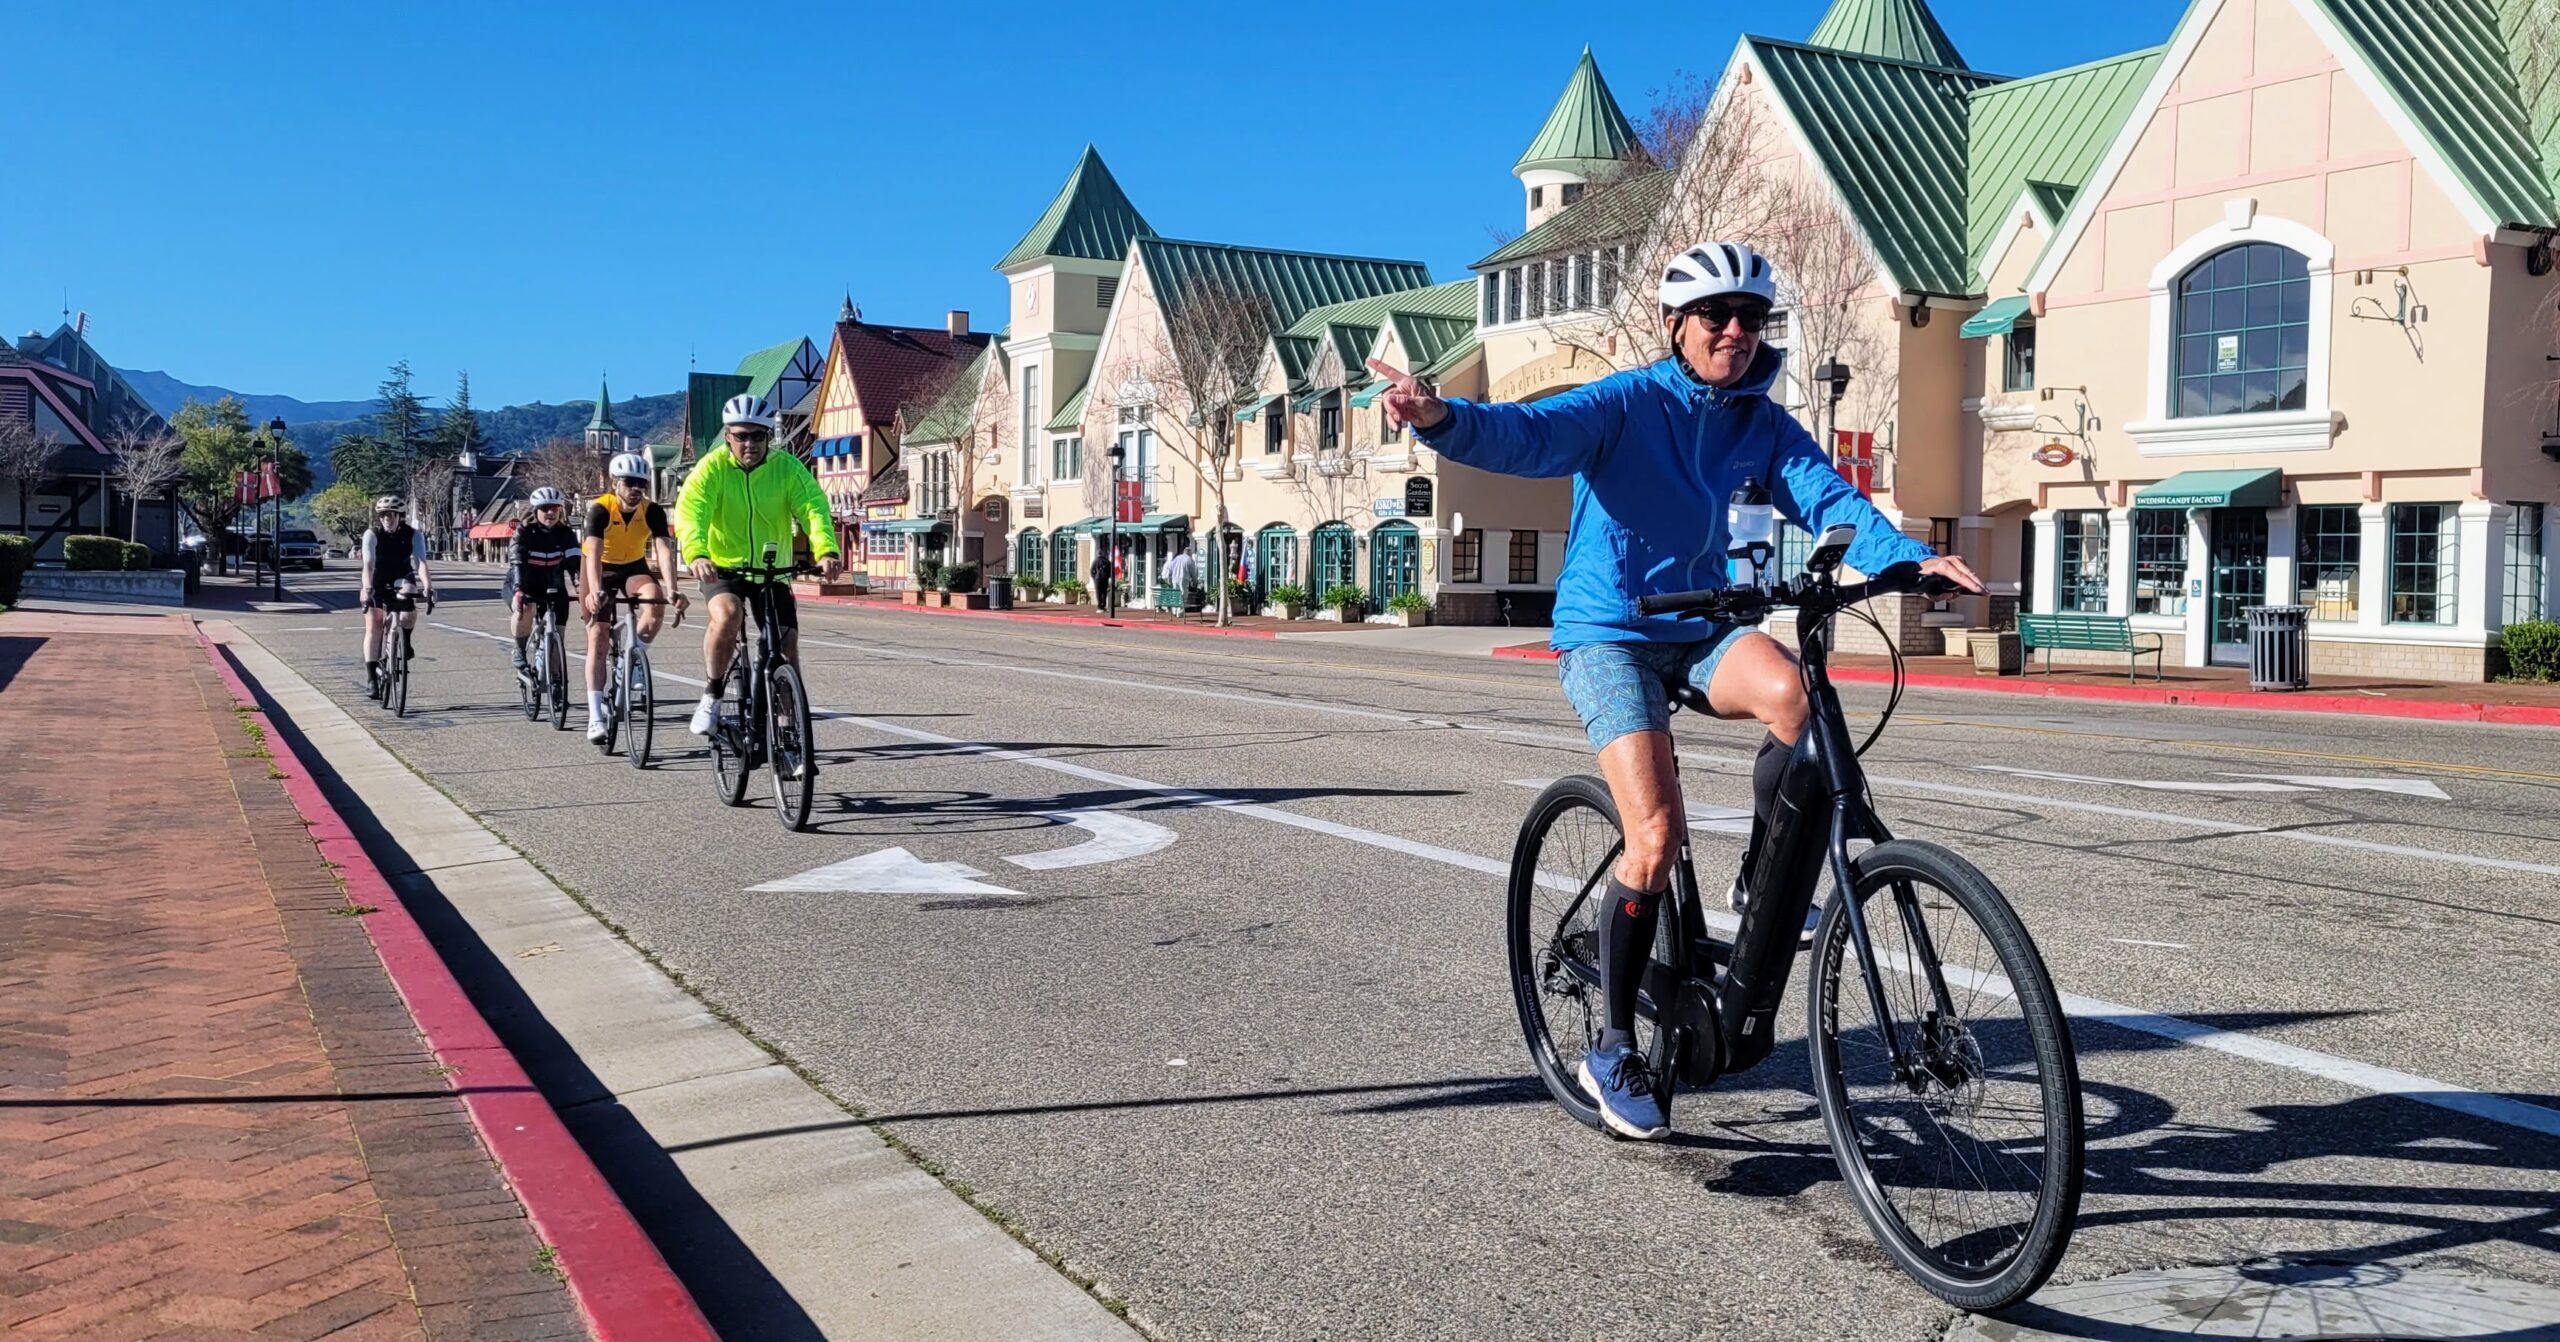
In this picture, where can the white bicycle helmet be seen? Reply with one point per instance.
(628, 466)
(390, 503)
(1717, 270)
(547, 497)
(744, 409)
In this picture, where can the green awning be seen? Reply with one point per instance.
(1161, 522)
(1313, 399)
(905, 526)
(1996, 318)
(1361, 399)
(2215, 489)
(1254, 408)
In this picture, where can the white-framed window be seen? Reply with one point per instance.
(2240, 336)
(2082, 556)
(1032, 418)
(1489, 298)
(2522, 599)
(1066, 458)
(2426, 563)
(1511, 280)
(1537, 275)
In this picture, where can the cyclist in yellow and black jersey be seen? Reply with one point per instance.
(630, 547)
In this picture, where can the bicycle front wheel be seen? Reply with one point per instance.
(1966, 1160)
(789, 749)
(639, 705)
(398, 701)
(559, 657)
(728, 739)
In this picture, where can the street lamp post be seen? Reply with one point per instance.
(1833, 376)
(1111, 545)
(275, 468)
(466, 465)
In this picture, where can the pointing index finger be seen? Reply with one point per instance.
(1404, 381)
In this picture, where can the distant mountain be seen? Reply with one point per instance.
(166, 394)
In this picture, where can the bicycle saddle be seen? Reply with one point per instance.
(1692, 698)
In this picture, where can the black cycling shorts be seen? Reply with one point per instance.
(554, 595)
(786, 608)
(616, 575)
(386, 598)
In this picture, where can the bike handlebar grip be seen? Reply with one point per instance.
(1662, 603)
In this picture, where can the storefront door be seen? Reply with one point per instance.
(1395, 561)
(2239, 581)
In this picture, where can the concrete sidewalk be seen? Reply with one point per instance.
(219, 1117)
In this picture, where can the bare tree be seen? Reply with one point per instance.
(1831, 289)
(564, 464)
(1203, 358)
(969, 420)
(24, 456)
(431, 495)
(148, 455)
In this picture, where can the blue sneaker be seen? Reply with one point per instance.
(1619, 1079)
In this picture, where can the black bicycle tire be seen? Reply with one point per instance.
(559, 653)
(792, 797)
(1563, 1080)
(728, 766)
(639, 705)
(399, 700)
(529, 683)
(2048, 1234)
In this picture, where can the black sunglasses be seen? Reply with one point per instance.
(1753, 317)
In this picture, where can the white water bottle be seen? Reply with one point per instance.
(1751, 527)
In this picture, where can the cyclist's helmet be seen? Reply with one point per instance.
(754, 410)
(390, 503)
(547, 497)
(629, 466)
(1717, 270)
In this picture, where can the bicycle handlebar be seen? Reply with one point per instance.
(1717, 602)
(769, 572)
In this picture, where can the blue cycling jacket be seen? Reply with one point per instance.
(1655, 455)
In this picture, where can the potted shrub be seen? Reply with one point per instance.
(1996, 652)
(2533, 650)
(1072, 591)
(92, 552)
(926, 590)
(1288, 602)
(1410, 609)
(1345, 603)
(960, 587)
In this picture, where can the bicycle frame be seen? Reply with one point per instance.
(759, 650)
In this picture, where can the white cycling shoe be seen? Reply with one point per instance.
(598, 729)
(703, 712)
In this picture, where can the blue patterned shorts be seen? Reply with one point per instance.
(1619, 688)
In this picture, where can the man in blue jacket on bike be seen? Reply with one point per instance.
(1655, 454)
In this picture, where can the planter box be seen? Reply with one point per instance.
(1342, 615)
(149, 586)
(966, 600)
(1280, 612)
(1410, 619)
(938, 598)
(1996, 654)
(911, 597)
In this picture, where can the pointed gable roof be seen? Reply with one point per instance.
(1900, 30)
(895, 368)
(1293, 282)
(602, 419)
(2469, 75)
(2045, 133)
(1090, 217)
(1586, 128)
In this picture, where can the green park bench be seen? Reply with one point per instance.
(2090, 633)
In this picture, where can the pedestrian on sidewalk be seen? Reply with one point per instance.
(1181, 573)
(1104, 571)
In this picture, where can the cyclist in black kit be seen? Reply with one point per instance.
(542, 558)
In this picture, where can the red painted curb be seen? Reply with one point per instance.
(1144, 626)
(2432, 710)
(621, 1283)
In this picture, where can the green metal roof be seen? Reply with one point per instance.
(704, 394)
(603, 417)
(1892, 135)
(1996, 318)
(2054, 198)
(1620, 210)
(1352, 344)
(1090, 217)
(2466, 73)
(1292, 282)
(1427, 339)
(1296, 354)
(765, 367)
(2047, 132)
(956, 408)
(1902, 30)
(1457, 298)
(1586, 126)
(1071, 415)
(1450, 358)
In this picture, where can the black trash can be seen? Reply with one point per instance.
(999, 591)
(2279, 647)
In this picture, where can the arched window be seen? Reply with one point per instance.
(2243, 333)
(1026, 553)
(1275, 556)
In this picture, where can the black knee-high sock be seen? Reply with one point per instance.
(1767, 771)
(1626, 945)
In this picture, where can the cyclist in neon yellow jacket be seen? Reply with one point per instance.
(741, 501)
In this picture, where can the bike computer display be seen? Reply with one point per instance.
(1831, 549)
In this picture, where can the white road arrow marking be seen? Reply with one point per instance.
(2406, 787)
(1115, 837)
(2147, 784)
(890, 871)
(1713, 819)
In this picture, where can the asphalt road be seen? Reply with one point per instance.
(1259, 1074)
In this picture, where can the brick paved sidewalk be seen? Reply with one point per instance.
(217, 1119)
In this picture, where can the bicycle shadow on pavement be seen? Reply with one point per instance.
(960, 811)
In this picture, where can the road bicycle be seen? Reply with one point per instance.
(630, 691)
(763, 718)
(1942, 1064)
(545, 680)
(391, 687)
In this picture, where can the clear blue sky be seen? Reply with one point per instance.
(284, 198)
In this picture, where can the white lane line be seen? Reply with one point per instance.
(1116, 838)
(1739, 765)
(2164, 945)
(2145, 784)
(1713, 819)
(2345, 1071)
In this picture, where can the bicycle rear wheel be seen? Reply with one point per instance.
(1559, 878)
(1967, 1167)
(639, 705)
(398, 700)
(729, 730)
(789, 748)
(529, 682)
(559, 656)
